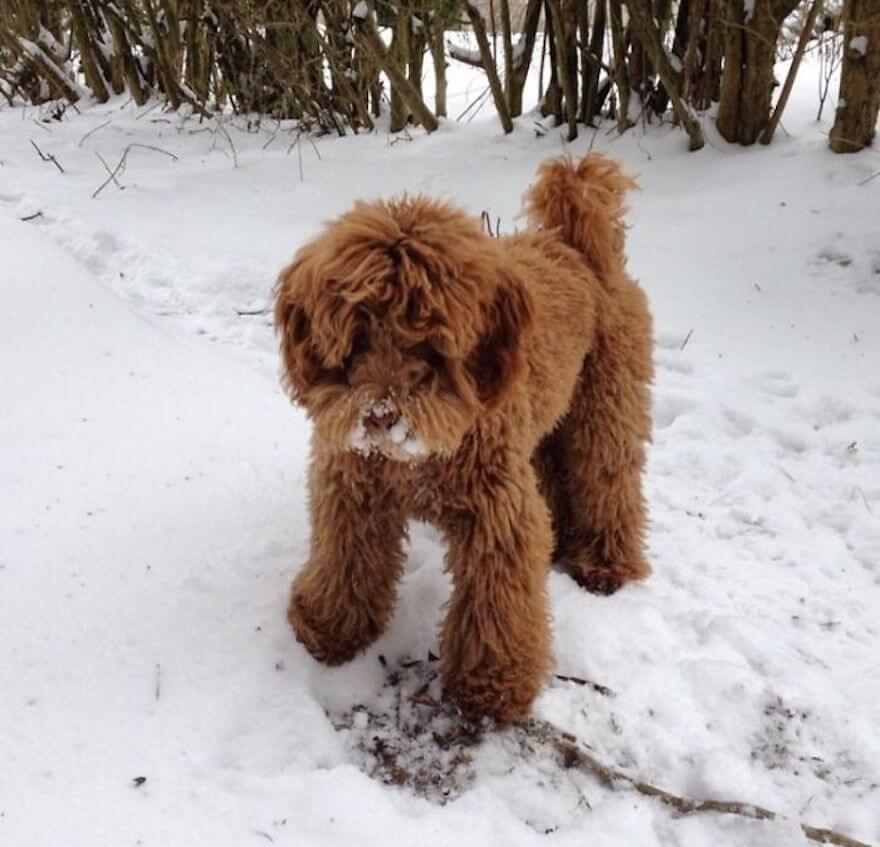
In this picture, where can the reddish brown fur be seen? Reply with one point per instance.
(523, 365)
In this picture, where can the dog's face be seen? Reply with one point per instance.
(399, 326)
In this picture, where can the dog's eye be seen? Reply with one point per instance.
(418, 375)
(426, 353)
(426, 367)
(359, 346)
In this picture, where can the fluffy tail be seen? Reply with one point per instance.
(584, 201)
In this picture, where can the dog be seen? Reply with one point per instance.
(498, 388)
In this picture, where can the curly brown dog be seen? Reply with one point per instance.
(496, 387)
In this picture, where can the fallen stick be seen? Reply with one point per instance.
(574, 756)
(47, 157)
(121, 164)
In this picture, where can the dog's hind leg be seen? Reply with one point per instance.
(603, 440)
(343, 599)
(549, 464)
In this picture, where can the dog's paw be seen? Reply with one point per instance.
(500, 690)
(483, 699)
(327, 640)
(600, 578)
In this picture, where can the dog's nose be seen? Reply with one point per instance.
(382, 419)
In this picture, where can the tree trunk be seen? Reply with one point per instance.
(583, 41)
(523, 57)
(438, 54)
(806, 34)
(418, 44)
(749, 56)
(506, 47)
(621, 71)
(562, 20)
(859, 103)
(597, 45)
(371, 40)
(679, 49)
(125, 61)
(552, 102)
(479, 27)
(652, 42)
(400, 56)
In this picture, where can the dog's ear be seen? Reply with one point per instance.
(499, 357)
(304, 367)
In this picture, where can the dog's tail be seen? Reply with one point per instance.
(584, 202)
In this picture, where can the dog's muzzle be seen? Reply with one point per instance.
(383, 430)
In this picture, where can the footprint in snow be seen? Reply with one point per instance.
(833, 256)
(669, 407)
(778, 384)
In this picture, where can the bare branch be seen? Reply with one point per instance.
(47, 157)
(574, 755)
(92, 132)
(121, 164)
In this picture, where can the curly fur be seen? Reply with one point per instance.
(498, 388)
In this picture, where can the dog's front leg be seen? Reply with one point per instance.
(343, 598)
(495, 644)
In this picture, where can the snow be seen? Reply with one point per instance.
(400, 443)
(48, 59)
(464, 54)
(633, 109)
(360, 11)
(152, 493)
(859, 44)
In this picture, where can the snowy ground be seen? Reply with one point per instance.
(152, 505)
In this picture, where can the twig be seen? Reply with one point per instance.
(785, 473)
(158, 689)
(46, 157)
(273, 135)
(151, 147)
(222, 128)
(251, 312)
(298, 144)
(32, 217)
(486, 223)
(599, 689)
(574, 756)
(403, 135)
(478, 25)
(478, 99)
(121, 164)
(148, 110)
(866, 180)
(314, 147)
(91, 132)
(864, 499)
(593, 58)
(806, 31)
(111, 173)
(686, 339)
(593, 136)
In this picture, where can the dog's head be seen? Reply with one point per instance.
(399, 326)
